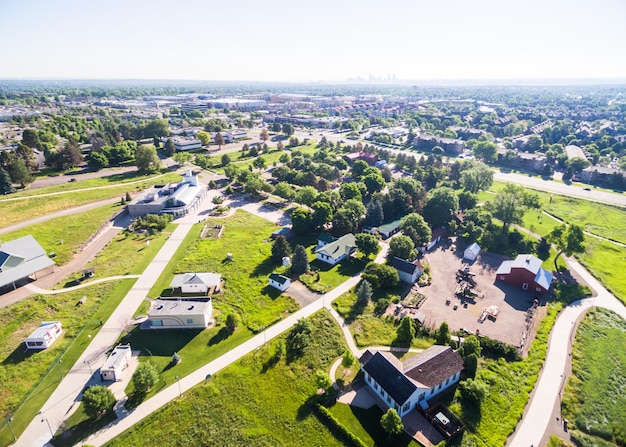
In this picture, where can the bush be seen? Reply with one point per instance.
(98, 400)
(381, 305)
(497, 349)
(145, 377)
(337, 426)
(473, 392)
(152, 222)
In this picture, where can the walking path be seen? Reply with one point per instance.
(550, 384)
(33, 288)
(62, 401)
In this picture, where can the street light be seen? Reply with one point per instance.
(9, 419)
(59, 368)
(180, 393)
(49, 428)
(89, 364)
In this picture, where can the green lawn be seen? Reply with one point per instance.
(270, 158)
(365, 424)
(606, 262)
(255, 402)
(32, 204)
(65, 235)
(594, 398)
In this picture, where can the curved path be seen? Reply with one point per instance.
(548, 388)
(33, 288)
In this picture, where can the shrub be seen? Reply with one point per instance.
(145, 377)
(337, 426)
(473, 391)
(381, 305)
(98, 400)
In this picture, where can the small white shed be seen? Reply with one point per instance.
(117, 361)
(471, 252)
(44, 336)
(279, 282)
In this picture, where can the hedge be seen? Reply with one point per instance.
(337, 426)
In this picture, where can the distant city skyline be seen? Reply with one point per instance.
(280, 41)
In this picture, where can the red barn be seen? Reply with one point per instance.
(525, 272)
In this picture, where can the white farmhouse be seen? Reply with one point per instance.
(338, 250)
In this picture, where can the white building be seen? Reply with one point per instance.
(471, 252)
(44, 336)
(337, 250)
(186, 144)
(179, 314)
(199, 283)
(408, 272)
(21, 258)
(115, 363)
(279, 282)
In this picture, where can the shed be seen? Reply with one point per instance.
(180, 314)
(115, 363)
(471, 252)
(279, 282)
(44, 336)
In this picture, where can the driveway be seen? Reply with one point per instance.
(301, 294)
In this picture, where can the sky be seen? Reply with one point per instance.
(313, 41)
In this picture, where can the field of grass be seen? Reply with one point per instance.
(34, 375)
(369, 329)
(270, 158)
(32, 204)
(594, 398)
(509, 387)
(65, 235)
(603, 259)
(257, 401)
(365, 424)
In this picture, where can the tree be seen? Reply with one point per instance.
(381, 276)
(358, 167)
(350, 191)
(348, 359)
(478, 178)
(276, 127)
(306, 195)
(421, 233)
(392, 423)
(374, 183)
(264, 136)
(443, 334)
(145, 377)
(471, 345)
(363, 292)
(231, 323)
(300, 262)
(31, 139)
(467, 200)
(225, 160)
(402, 247)
(567, 239)
(486, 151)
(511, 204)
(97, 160)
(322, 380)
(301, 221)
(259, 163)
(442, 205)
(473, 391)
(298, 339)
(98, 400)
(219, 140)
(156, 141)
(6, 187)
(367, 244)
(374, 214)
(406, 331)
(170, 148)
(284, 190)
(146, 159)
(18, 171)
(280, 249)
(288, 129)
(322, 213)
(204, 137)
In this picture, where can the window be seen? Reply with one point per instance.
(538, 289)
(189, 320)
(525, 286)
(406, 406)
(388, 400)
(369, 378)
(421, 398)
(157, 323)
(502, 278)
(376, 386)
(448, 380)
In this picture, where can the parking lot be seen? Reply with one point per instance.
(513, 303)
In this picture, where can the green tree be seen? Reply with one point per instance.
(406, 331)
(402, 247)
(567, 239)
(145, 377)
(204, 137)
(364, 292)
(231, 323)
(284, 190)
(298, 339)
(511, 204)
(367, 244)
(441, 207)
(392, 423)
(288, 129)
(225, 160)
(471, 345)
(470, 363)
(374, 214)
(30, 138)
(443, 334)
(422, 232)
(358, 167)
(300, 262)
(146, 158)
(374, 183)
(97, 160)
(473, 391)
(381, 276)
(478, 178)
(301, 221)
(486, 151)
(348, 359)
(18, 171)
(170, 148)
(322, 214)
(98, 400)
(306, 195)
(280, 249)
(259, 163)
(6, 187)
(349, 191)
(322, 380)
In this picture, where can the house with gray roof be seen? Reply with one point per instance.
(403, 385)
(21, 258)
(408, 271)
(337, 250)
(199, 283)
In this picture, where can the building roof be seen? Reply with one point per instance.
(390, 226)
(529, 263)
(433, 366)
(326, 238)
(280, 279)
(43, 330)
(405, 266)
(388, 374)
(344, 245)
(116, 358)
(176, 308)
(20, 258)
(474, 248)
(574, 151)
(208, 279)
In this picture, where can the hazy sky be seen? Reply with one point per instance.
(317, 40)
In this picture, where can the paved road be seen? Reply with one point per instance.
(549, 386)
(62, 401)
(79, 175)
(33, 288)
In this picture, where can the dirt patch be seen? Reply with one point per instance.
(513, 303)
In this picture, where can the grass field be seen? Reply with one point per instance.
(603, 259)
(594, 398)
(269, 158)
(32, 204)
(257, 401)
(65, 235)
